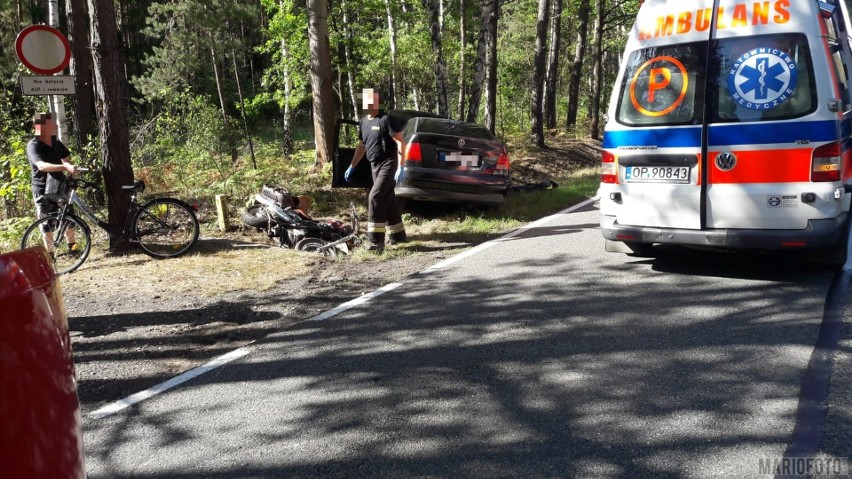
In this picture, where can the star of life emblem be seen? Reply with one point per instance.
(762, 78)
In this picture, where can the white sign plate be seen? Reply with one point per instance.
(48, 85)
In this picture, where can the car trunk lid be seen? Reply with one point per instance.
(448, 152)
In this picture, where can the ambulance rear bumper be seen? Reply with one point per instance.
(818, 234)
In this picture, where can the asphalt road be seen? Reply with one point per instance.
(539, 355)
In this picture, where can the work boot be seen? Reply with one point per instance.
(376, 247)
(397, 238)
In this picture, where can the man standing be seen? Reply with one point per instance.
(381, 142)
(47, 156)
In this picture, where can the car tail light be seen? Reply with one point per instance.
(609, 170)
(412, 152)
(826, 163)
(503, 162)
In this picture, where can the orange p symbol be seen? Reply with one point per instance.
(660, 79)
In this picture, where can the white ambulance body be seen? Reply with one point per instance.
(729, 127)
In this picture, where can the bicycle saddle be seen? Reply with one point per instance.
(135, 187)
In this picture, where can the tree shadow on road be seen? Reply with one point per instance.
(460, 375)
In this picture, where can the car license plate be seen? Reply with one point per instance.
(456, 158)
(657, 174)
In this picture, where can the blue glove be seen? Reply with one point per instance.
(400, 175)
(348, 175)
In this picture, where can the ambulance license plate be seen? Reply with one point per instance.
(657, 174)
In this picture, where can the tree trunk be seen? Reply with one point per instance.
(350, 76)
(392, 94)
(226, 126)
(463, 41)
(243, 108)
(81, 69)
(491, 97)
(552, 75)
(479, 62)
(538, 74)
(219, 89)
(440, 66)
(111, 109)
(576, 70)
(287, 120)
(321, 79)
(594, 108)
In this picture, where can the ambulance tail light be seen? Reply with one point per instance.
(609, 170)
(412, 153)
(826, 163)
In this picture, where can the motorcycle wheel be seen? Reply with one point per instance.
(255, 216)
(315, 245)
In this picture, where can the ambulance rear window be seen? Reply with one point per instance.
(663, 86)
(763, 78)
(751, 79)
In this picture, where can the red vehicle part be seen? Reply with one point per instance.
(39, 408)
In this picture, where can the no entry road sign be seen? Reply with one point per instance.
(43, 49)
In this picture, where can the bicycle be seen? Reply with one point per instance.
(162, 227)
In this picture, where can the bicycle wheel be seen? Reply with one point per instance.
(70, 244)
(165, 228)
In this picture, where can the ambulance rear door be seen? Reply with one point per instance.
(654, 133)
(765, 119)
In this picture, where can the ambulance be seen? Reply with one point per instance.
(729, 128)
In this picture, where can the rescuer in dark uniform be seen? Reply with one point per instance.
(381, 142)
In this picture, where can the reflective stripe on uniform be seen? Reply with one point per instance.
(376, 227)
(397, 228)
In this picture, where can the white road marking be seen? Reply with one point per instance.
(245, 350)
(509, 235)
(165, 386)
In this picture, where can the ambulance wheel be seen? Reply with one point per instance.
(834, 255)
(315, 245)
(643, 250)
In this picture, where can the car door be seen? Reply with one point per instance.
(345, 142)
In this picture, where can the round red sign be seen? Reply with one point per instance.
(43, 49)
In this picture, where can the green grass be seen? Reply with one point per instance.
(574, 188)
(454, 226)
(454, 229)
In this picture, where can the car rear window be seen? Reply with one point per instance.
(455, 128)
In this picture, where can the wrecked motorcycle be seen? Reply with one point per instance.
(277, 213)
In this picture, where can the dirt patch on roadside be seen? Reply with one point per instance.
(130, 335)
(136, 322)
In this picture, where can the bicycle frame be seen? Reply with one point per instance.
(111, 229)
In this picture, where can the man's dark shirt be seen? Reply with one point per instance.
(371, 131)
(39, 151)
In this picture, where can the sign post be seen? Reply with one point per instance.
(44, 50)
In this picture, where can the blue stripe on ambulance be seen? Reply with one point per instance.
(731, 134)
